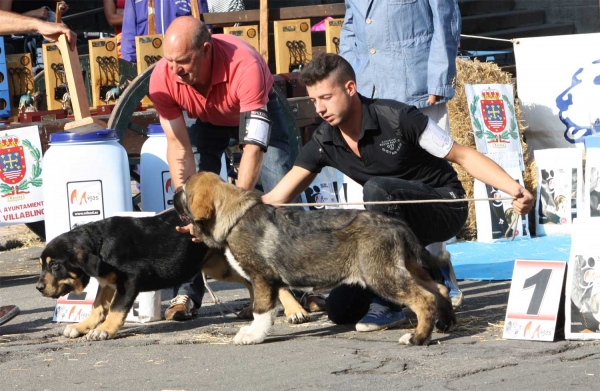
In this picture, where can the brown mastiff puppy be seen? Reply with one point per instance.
(277, 248)
(131, 255)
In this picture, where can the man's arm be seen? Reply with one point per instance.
(290, 186)
(114, 15)
(487, 171)
(128, 32)
(11, 23)
(347, 37)
(254, 135)
(250, 165)
(179, 150)
(441, 66)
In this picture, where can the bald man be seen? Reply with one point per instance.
(224, 83)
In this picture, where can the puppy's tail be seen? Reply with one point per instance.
(433, 264)
(430, 261)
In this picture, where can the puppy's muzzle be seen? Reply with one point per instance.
(179, 202)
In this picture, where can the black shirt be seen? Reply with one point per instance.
(388, 145)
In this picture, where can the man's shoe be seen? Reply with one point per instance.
(380, 317)
(8, 312)
(456, 296)
(181, 308)
(313, 302)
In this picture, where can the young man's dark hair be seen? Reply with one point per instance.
(325, 64)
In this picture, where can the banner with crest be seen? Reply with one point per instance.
(21, 195)
(493, 117)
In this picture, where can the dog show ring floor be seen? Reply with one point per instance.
(199, 354)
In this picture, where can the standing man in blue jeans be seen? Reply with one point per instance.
(397, 154)
(224, 83)
(414, 44)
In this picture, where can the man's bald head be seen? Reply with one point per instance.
(187, 30)
(187, 49)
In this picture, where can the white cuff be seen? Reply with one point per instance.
(435, 140)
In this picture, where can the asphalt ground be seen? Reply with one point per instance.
(200, 355)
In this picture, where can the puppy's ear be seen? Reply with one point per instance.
(201, 204)
(87, 261)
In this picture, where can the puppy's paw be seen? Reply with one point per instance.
(410, 339)
(71, 331)
(444, 326)
(406, 339)
(246, 313)
(249, 336)
(298, 317)
(98, 335)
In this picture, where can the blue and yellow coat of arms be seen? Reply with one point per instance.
(12, 161)
(13, 166)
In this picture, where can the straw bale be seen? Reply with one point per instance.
(476, 72)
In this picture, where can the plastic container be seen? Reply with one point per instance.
(156, 185)
(155, 180)
(86, 178)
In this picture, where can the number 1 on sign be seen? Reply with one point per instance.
(540, 281)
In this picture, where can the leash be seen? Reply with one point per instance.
(218, 303)
(396, 202)
(506, 235)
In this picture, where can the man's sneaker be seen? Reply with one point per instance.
(313, 302)
(8, 312)
(456, 296)
(181, 308)
(380, 317)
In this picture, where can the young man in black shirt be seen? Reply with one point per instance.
(396, 153)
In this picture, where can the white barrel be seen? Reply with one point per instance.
(86, 178)
(156, 185)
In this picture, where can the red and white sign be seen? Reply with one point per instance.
(75, 307)
(21, 196)
(534, 299)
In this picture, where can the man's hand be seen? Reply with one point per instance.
(432, 99)
(189, 229)
(523, 202)
(51, 31)
(63, 6)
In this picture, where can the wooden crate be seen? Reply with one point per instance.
(149, 49)
(247, 33)
(285, 33)
(102, 48)
(20, 79)
(333, 29)
(52, 59)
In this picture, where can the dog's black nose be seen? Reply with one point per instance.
(40, 287)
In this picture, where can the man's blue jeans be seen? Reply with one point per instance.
(210, 142)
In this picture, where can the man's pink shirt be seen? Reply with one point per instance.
(241, 82)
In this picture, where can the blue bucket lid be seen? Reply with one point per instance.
(155, 129)
(98, 135)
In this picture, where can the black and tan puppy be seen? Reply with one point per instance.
(127, 256)
(277, 248)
